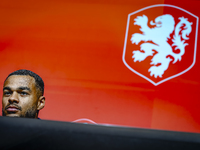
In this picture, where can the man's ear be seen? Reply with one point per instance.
(41, 103)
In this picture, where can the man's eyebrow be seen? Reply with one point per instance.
(24, 88)
(19, 88)
(6, 88)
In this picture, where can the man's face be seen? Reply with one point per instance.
(20, 97)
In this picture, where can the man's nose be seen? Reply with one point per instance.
(14, 98)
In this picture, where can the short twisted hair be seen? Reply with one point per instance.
(38, 80)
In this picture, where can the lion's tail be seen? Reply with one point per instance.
(177, 42)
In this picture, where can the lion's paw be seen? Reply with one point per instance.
(138, 56)
(140, 20)
(136, 38)
(176, 58)
(155, 71)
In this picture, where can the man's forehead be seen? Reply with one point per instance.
(20, 80)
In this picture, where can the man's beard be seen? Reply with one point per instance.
(30, 113)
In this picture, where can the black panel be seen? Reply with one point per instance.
(23, 133)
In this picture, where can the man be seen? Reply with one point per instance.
(23, 94)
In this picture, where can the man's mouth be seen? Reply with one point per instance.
(12, 108)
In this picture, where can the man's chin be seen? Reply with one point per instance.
(30, 113)
(12, 115)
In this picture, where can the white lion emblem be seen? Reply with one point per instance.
(155, 41)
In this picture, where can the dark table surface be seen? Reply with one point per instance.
(24, 133)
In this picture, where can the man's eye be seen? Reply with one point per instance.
(7, 93)
(23, 93)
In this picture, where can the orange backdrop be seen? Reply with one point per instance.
(77, 46)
